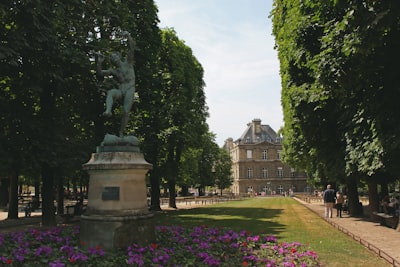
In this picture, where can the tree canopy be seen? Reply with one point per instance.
(183, 105)
(51, 102)
(339, 88)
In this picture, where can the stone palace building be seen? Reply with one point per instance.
(257, 166)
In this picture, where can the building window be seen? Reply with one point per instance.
(249, 154)
(249, 173)
(264, 155)
(280, 172)
(264, 173)
(292, 172)
(279, 154)
(247, 140)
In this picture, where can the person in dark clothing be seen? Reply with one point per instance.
(28, 210)
(339, 204)
(329, 200)
(78, 207)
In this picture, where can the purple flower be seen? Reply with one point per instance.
(44, 249)
(136, 259)
(56, 264)
(200, 245)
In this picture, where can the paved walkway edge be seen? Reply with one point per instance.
(375, 249)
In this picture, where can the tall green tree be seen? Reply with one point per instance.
(361, 47)
(183, 105)
(189, 170)
(311, 131)
(147, 113)
(223, 170)
(209, 152)
(42, 70)
(198, 168)
(336, 60)
(48, 55)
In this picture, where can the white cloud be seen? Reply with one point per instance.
(232, 40)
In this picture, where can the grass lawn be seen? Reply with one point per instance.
(283, 217)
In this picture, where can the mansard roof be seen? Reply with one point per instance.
(257, 133)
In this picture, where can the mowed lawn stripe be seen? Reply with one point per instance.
(283, 217)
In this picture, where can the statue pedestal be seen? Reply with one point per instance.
(117, 214)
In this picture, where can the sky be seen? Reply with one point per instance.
(233, 42)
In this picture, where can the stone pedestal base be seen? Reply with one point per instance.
(111, 232)
(117, 214)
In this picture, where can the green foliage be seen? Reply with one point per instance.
(50, 100)
(49, 95)
(208, 157)
(223, 170)
(46, 69)
(182, 106)
(339, 85)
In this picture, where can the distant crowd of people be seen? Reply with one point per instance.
(79, 208)
(390, 205)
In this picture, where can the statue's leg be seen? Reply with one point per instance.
(124, 122)
(112, 95)
(128, 102)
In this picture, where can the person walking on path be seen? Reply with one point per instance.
(339, 204)
(329, 200)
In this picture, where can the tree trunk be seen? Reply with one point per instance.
(354, 202)
(373, 197)
(4, 194)
(60, 195)
(48, 216)
(67, 182)
(37, 188)
(384, 189)
(13, 201)
(154, 190)
(185, 190)
(172, 194)
(74, 186)
(20, 188)
(201, 190)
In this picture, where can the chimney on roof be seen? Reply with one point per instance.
(256, 126)
(228, 144)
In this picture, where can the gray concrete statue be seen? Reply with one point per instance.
(123, 72)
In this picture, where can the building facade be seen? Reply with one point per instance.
(257, 165)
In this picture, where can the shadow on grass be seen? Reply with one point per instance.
(255, 220)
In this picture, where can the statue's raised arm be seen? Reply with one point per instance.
(131, 46)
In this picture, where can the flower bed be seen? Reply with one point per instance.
(175, 246)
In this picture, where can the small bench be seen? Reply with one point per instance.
(386, 219)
